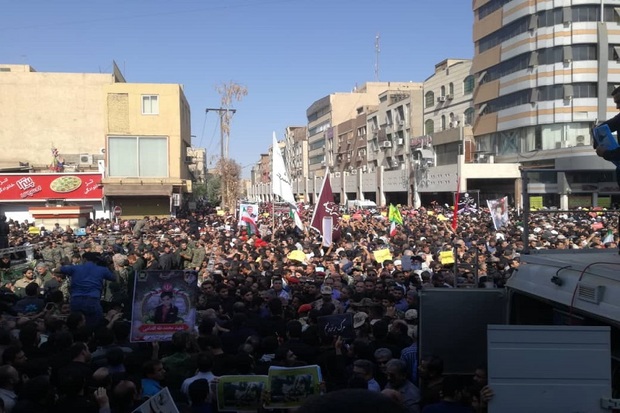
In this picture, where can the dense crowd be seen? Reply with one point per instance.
(64, 329)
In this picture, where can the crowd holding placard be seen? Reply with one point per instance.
(266, 299)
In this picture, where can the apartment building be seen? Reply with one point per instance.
(323, 116)
(543, 72)
(134, 135)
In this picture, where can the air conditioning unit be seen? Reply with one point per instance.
(86, 159)
(401, 123)
(386, 144)
(364, 168)
(336, 174)
(580, 140)
(449, 97)
(400, 141)
(354, 172)
(395, 164)
(441, 99)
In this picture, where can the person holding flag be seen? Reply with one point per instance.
(394, 217)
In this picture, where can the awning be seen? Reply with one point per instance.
(137, 190)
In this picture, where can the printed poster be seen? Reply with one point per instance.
(163, 304)
(240, 393)
(499, 211)
(288, 387)
(159, 403)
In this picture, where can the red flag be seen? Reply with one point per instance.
(455, 216)
(326, 216)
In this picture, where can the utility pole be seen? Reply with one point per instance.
(223, 113)
(377, 51)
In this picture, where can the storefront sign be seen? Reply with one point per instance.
(26, 187)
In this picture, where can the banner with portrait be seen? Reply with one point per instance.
(248, 214)
(498, 209)
(163, 304)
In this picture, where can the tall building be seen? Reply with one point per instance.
(543, 72)
(443, 159)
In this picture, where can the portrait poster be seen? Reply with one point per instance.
(248, 212)
(336, 325)
(288, 387)
(240, 393)
(163, 304)
(499, 211)
(161, 402)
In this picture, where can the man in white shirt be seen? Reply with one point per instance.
(205, 364)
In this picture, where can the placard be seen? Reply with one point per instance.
(161, 402)
(163, 304)
(240, 393)
(336, 325)
(288, 387)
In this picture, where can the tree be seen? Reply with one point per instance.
(214, 187)
(230, 172)
(230, 180)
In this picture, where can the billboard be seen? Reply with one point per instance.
(39, 187)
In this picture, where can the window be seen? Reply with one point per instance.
(490, 7)
(429, 99)
(469, 116)
(443, 91)
(443, 122)
(468, 85)
(150, 105)
(429, 127)
(136, 156)
(451, 89)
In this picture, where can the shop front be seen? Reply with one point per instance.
(64, 198)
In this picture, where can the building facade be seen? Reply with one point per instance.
(543, 73)
(135, 135)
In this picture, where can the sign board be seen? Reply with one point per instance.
(549, 368)
(118, 211)
(41, 187)
(336, 325)
(163, 303)
(161, 402)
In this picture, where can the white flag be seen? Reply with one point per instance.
(281, 183)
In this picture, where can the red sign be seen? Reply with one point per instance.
(39, 187)
(118, 211)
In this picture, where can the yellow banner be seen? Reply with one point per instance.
(220, 213)
(446, 257)
(382, 255)
(536, 202)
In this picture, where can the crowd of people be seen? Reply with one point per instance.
(64, 328)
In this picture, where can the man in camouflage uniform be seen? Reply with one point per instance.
(198, 255)
(68, 246)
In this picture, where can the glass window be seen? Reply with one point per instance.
(429, 127)
(134, 156)
(468, 84)
(469, 116)
(443, 91)
(443, 122)
(429, 99)
(451, 89)
(150, 105)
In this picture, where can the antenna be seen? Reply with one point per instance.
(377, 52)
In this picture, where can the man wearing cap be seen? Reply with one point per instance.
(326, 297)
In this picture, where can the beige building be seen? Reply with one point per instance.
(136, 134)
(329, 111)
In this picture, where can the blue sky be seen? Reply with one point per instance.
(287, 53)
